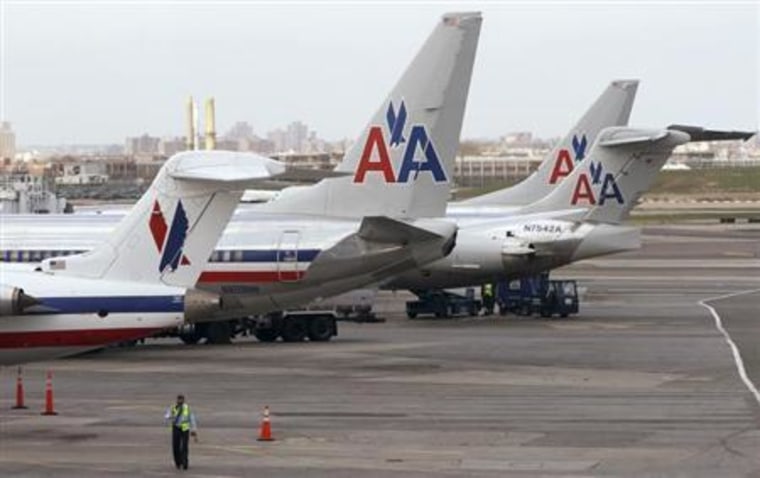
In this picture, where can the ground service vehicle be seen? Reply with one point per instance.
(443, 303)
(538, 295)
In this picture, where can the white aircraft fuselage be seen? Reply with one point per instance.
(266, 262)
(262, 263)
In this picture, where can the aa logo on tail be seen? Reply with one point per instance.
(584, 190)
(564, 163)
(169, 240)
(419, 153)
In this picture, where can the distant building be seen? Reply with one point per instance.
(25, 194)
(7, 141)
(520, 138)
(240, 131)
(277, 138)
(296, 135)
(294, 138)
(170, 146)
(144, 145)
(479, 171)
(83, 172)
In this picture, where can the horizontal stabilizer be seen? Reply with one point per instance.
(309, 175)
(701, 134)
(630, 136)
(385, 229)
(227, 167)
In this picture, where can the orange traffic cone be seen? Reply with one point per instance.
(49, 410)
(265, 434)
(19, 391)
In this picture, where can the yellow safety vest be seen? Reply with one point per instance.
(181, 418)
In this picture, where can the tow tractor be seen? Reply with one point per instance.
(443, 303)
(538, 295)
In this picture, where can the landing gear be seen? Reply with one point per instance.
(218, 333)
(268, 334)
(321, 329)
(293, 329)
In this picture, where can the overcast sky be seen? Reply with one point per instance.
(93, 72)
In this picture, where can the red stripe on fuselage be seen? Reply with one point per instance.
(242, 277)
(71, 338)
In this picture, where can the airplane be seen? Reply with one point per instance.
(580, 219)
(141, 278)
(612, 108)
(382, 216)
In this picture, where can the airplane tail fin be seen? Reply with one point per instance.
(402, 164)
(620, 167)
(612, 108)
(168, 236)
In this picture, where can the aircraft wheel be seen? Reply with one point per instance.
(320, 329)
(266, 334)
(293, 330)
(190, 339)
(218, 333)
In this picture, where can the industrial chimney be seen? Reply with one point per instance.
(190, 140)
(210, 124)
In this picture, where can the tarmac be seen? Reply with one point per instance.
(643, 382)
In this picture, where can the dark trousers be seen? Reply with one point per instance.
(180, 446)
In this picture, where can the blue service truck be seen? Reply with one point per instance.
(538, 295)
(525, 296)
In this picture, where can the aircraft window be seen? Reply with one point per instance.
(238, 256)
(226, 256)
(25, 256)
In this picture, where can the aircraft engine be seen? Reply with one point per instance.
(201, 306)
(13, 301)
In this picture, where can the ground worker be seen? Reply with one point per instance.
(182, 423)
(486, 294)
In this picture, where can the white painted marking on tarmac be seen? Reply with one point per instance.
(734, 349)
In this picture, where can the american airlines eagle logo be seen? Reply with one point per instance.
(419, 153)
(169, 240)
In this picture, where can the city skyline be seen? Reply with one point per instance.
(122, 71)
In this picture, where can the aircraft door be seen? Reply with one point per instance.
(287, 257)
